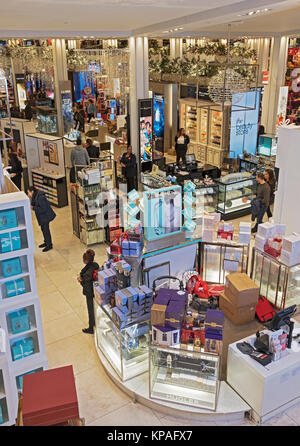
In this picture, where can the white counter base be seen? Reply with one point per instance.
(230, 407)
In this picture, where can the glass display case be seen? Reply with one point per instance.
(215, 137)
(126, 349)
(203, 125)
(267, 145)
(235, 194)
(184, 376)
(280, 284)
(191, 122)
(206, 198)
(217, 259)
(47, 120)
(150, 181)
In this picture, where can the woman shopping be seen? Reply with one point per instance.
(270, 179)
(85, 279)
(181, 142)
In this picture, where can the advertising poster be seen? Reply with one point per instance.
(159, 124)
(292, 81)
(83, 86)
(50, 152)
(66, 104)
(244, 123)
(146, 133)
(282, 104)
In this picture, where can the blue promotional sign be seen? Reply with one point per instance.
(244, 123)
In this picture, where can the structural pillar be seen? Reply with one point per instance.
(278, 61)
(60, 78)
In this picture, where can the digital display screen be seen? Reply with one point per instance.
(146, 138)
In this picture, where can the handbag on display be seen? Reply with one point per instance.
(264, 310)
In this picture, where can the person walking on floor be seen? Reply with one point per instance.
(85, 279)
(28, 111)
(91, 110)
(262, 195)
(270, 179)
(81, 118)
(181, 142)
(76, 115)
(44, 214)
(128, 162)
(16, 168)
(79, 158)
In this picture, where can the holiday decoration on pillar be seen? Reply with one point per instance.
(189, 225)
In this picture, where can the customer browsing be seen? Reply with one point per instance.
(263, 197)
(85, 279)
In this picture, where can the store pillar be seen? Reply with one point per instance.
(276, 80)
(139, 84)
(60, 77)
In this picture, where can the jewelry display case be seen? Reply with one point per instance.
(184, 376)
(235, 194)
(280, 284)
(126, 349)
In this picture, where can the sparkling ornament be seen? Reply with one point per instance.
(225, 84)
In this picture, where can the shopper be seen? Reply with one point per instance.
(16, 168)
(91, 110)
(270, 179)
(86, 280)
(44, 214)
(76, 115)
(81, 118)
(262, 195)
(181, 142)
(28, 111)
(92, 150)
(128, 162)
(79, 158)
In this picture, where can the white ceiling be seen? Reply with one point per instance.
(123, 18)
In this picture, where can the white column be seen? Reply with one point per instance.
(60, 74)
(146, 67)
(276, 80)
(178, 47)
(172, 49)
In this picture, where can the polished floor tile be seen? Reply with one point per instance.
(143, 416)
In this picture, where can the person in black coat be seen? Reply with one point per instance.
(128, 162)
(16, 169)
(181, 142)
(86, 280)
(44, 214)
(28, 111)
(92, 150)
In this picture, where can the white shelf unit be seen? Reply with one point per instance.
(12, 369)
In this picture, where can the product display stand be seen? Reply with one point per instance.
(20, 316)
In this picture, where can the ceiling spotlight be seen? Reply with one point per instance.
(176, 29)
(257, 12)
(266, 9)
(251, 12)
(180, 28)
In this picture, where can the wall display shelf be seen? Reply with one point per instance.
(20, 315)
(217, 259)
(235, 194)
(55, 186)
(126, 349)
(206, 198)
(184, 376)
(206, 124)
(279, 283)
(267, 145)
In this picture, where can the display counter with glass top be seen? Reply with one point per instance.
(126, 348)
(279, 283)
(235, 194)
(184, 376)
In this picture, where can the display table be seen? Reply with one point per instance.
(268, 390)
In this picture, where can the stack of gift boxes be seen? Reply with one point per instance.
(225, 230)
(208, 226)
(114, 229)
(239, 299)
(167, 316)
(131, 305)
(245, 233)
(269, 238)
(214, 326)
(290, 252)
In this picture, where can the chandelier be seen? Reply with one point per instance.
(224, 84)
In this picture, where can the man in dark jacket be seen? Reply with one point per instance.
(44, 214)
(92, 150)
(128, 162)
(263, 195)
(16, 169)
(28, 111)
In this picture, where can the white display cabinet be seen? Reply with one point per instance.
(20, 315)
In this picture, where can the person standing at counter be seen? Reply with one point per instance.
(263, 196)
(128, 162)
(16, 168)
(91, 110)
(28, 111)
(92, 150)
(270, 179)
(181, 146)
(79, 158)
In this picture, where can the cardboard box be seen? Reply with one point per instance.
(238, 315)
(158, 314)
(241, 290)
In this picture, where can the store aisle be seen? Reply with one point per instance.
(64, 315)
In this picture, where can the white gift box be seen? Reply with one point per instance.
(260, 242)
(245, 238)
(266, 230)
(208, 235)
(280, 229)
(288, 258)
(291, 243)
(208, 222)
(245, 227)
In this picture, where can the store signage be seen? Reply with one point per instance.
(282, 103)
(244, 123)
(67, 113)
(159, 123)
(265, 78)
(145, 123)
(292, 81)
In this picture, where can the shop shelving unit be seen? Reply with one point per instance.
(12, 369)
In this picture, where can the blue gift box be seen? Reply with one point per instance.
(8, 219)
(121, 298)
(22, 349)
(1, 416)
(11, 267)
(19, 321)
(148, 292)
(10, 241)
(125, 244)
(20, 379)
(15, 287)
(119, 318)
(126, 252)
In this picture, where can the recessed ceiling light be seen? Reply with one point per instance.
(266, 9)
(257, 12)
(251, 12)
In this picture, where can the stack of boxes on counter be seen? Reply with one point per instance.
(269, 238)
(208, 226)
(114, 227)
(239, 299)
(214, 326)
(224, 231)
(113, 288)
(129, 244)
(290, 252)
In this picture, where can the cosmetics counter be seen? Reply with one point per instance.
(22, 348)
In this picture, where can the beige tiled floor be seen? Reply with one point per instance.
(64, 315)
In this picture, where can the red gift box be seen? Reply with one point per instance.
(226, 235)
(49, 397)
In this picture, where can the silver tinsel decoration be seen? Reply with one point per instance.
(227, 82)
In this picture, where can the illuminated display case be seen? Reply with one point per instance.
(217, 259)
(126, 349)
(279, 283)
(267, 145)
(184, 376)
(47, 120)
(235, 194)
(206, 198)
